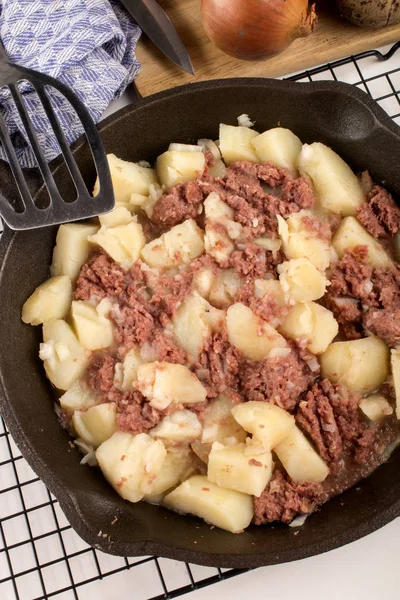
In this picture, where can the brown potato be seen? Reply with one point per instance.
(370, 13)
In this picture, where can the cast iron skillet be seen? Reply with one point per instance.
(334, 113)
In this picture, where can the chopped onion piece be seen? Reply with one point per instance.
(298, 521)
(184, 148)
(245, 121)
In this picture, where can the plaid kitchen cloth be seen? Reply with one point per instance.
(87, 44)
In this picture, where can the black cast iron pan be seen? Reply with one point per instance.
(334, 113)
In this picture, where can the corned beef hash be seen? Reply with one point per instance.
(226, 342)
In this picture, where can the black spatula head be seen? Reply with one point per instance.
(59, 209)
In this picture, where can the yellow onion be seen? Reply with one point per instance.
(255, 29)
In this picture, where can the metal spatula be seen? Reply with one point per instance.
(59, 209)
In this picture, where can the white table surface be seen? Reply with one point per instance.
(363, 570)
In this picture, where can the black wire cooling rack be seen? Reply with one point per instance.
(41, 556)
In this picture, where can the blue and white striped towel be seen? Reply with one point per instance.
(87, 44)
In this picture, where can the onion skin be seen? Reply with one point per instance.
(370, 13)
(256, 29)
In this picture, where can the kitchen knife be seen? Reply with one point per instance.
(156, 24)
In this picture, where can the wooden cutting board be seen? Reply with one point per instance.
(332, 39)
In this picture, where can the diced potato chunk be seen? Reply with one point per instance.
(118, 216)
(216, 209)
(93, 330)
(122, 242)
(217, 243)
(311, 321)
(181, 426)
(162, 383)
(128, 178)
(376, 407)
(220, 227)
(214, 318)
(65, 360)
(219, 424)
(194, 322)
(127, 377)
(233, 468)
(299, 459)
(361, 365)
(218, 506)
(71, 249)
(175, 167)
(137, 201)
(180, 245)
(271, 292)
(301, 281)
(279, 146)
(298, 241)
(78, 397)
(129, 461)
(395, 364)
(177, 466)
(203, 281)
(225, 288)
(251, 335)
(350, 234)
(95, 425)
(338, 189)
(267, 423)
(235, 143)
(51, 300)
(189, 326)
(269, 287)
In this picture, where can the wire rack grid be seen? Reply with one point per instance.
(41, 556)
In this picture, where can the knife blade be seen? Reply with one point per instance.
(156, 24)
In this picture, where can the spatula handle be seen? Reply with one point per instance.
(3, 53)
